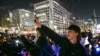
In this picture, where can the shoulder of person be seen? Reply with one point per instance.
(65, 39)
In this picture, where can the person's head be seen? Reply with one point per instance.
(83, 34)
(73, 32)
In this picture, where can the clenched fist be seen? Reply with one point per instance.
(37, 22)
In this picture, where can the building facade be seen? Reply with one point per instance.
(52, 14)
(22, 18)
(79, 22)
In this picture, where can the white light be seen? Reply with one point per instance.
(42, 14)
(25, 10)
(98, 49)
(26, 14)
(34, 13)
(17, 41)
(64, 21)
(86, 22)
(55, 2)
(89, 19)
(55, 27)
(96, 45)
(42, 6)
(74, 18)
(26, 22)
(10, 14)
(98, 28)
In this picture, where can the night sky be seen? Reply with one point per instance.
(85, 8)
(80, 8)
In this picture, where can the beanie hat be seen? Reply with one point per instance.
(75, 28)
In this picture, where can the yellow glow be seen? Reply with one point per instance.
(26, 14)
(8, 19)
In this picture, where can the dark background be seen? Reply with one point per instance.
(80, 8)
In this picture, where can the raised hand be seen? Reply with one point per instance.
(37, 22)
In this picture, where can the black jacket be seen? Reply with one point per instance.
(34, 50)
(40, 49)
(42, 40)
(67, 49)
(43, 43)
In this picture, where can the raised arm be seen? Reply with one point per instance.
(50, 33)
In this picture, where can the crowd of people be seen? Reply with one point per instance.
(27, 45)
(48, 43)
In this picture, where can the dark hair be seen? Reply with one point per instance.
(75, 28)
(84, 34)
(37, 29)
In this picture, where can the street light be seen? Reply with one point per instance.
(8, 22)
(74, 18)
(55, 27)
(27, 14)
(86, 23)
(89, 19)
(8, 19)
(34, 13)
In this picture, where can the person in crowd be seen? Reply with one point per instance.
(55, 47)
(70, 45)
(32, 49)
(6, 48)
(32, 39)
(84, 39)
(43, 43)
(90, 36)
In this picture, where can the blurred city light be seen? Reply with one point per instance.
(96, 45)
(98, 49)
(55, 27)
(42, 14)
(8, 19)
(74, 18)
(22, 51)
(86, 22)
(26, 14)
(34, 13)
(17, 41)
(89, 19)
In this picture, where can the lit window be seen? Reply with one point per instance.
(42, 14)
(42, 6)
